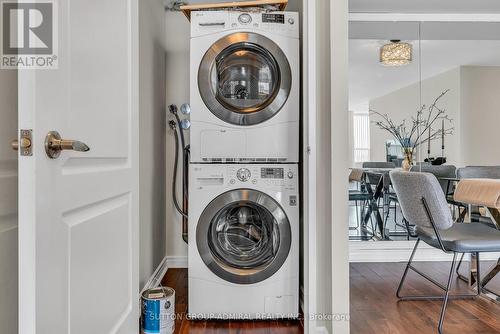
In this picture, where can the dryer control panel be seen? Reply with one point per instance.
(209, 22)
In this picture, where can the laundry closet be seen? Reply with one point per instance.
(244, 185)
(108, 214)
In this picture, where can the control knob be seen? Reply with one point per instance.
(243, 174)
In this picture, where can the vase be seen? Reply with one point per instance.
(407, 162)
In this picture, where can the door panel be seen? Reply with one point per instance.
(79, 226)
(8, 202)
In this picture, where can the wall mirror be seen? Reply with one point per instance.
(396, 69)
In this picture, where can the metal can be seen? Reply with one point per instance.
(158, 311)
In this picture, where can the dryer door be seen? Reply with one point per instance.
(244, 79)
(243, 236)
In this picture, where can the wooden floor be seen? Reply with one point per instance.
(177, 279)
(374, 307)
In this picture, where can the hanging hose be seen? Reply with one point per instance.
(176, 162)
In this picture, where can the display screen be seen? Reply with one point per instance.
(271, 173)
(273, 18)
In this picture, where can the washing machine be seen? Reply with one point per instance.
(243, 241)
(244, 87)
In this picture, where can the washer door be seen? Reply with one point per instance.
(244, 79)
(243, 236)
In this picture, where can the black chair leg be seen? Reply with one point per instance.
(446, 288)
(447, 294)
(408, 266)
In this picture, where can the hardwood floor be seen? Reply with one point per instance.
(177, 279)
(374, 306)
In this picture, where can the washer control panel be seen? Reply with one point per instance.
(262, 175)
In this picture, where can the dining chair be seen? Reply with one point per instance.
(439, 171)
(479, 172)
(424, 204)
(378, 164)
(359, 195)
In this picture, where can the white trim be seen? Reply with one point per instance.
(309, 163)
(399, 251)
(301, 297)
(155, 279)
(322, 330)
(177, 261)
(427, 17)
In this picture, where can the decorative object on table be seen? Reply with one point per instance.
(396, 53)
(411, 134)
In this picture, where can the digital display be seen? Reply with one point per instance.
(272, 173)
(273, 18)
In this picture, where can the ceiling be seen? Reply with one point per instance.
(368, 79)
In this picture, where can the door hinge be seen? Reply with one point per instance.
(308, 150)
(26, 140)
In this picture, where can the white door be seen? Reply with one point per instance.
(8, 202)
(78, 221)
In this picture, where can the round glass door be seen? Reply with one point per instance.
(243, 236)
(244, 79)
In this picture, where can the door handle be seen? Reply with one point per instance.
(54, 144)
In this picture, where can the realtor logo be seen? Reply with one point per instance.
(29, 34)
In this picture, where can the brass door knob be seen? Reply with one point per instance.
(25, 143)
(54, 144)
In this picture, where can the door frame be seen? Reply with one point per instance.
(339, 299)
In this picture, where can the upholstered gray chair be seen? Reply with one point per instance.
(424, 205)
(440, 171)
(378, 164)
(479, 172)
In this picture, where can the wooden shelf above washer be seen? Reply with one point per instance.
(187, 9)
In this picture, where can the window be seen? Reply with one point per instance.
(361, 125)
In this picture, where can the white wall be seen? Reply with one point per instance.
(177, 92)
(480, 115)
(8, 203)
(403, 104)
(152, 136)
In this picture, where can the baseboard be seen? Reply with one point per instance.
(322, 330)
(175, 261)
(155, 279)
(400, 251)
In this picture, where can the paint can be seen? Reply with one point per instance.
(158, 311)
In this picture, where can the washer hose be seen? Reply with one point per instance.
(176, 162)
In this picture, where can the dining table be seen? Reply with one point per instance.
(380, 179)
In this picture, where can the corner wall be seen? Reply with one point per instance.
(480, 115)
(151, 136)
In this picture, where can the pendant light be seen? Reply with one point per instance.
(396, 53)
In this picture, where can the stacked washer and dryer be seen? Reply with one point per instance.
(243, 174)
